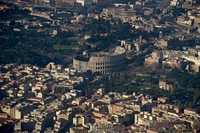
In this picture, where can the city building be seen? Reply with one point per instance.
(165, 86)
(84, 2)
(102, 62)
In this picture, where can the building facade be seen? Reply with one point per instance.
(102, 62)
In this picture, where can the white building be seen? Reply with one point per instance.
(84, 2)
(173, 2)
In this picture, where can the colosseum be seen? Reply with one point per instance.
(102, 62)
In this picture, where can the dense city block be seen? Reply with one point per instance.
(100, 66)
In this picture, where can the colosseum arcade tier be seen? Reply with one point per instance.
(102, 62)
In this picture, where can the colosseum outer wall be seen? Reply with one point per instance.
(103, 62)
(80, 65)
(106, 64)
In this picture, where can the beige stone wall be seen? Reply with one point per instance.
(80, 65)
(106, 64)
(102, 62)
